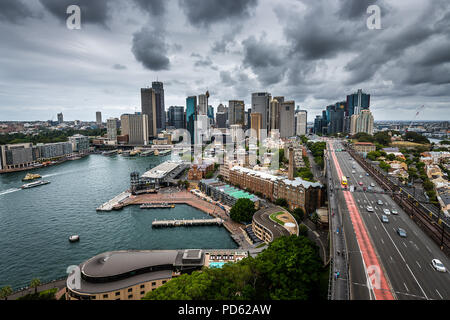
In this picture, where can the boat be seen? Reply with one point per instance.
(164, 152)
(109, 153)
(126, 153)
(74, 238)
(31, 176)
(147, 153)
(34, 184)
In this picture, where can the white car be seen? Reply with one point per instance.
(372, 184)
(437, 264)
(369, 208)
(380, 202)
(386, 211)
(353, 171)
(393, 211)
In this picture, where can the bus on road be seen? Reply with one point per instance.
(344, 181)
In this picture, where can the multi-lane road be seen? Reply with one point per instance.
(397, 268)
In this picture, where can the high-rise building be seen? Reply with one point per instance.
(211, 114)
(221, 108)
(236, 113)
(274, 115)
(175, 117)
(158, 88)
(136, 127)
(98, 118)
(203, 103)
(111, 128)
(301, 119)
(364, 123)
(336, 118)
(256, 124)
(287, 119)
(357, 101)
(60, 117)
(191, 116)
(248, 115)
(148, 107)
(221, 119)
(353, 120)
(260, 104)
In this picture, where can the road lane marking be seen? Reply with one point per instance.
(418, 264)
(428, 248)
(417, 282)
(406, 287)
(382, 241)
(439, 294)
(405, 245)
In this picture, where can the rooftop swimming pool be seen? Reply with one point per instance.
(216, 264)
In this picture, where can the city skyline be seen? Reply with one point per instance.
(123, 47)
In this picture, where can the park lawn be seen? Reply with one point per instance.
(274, 216)
(407, 144)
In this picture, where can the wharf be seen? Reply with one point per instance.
(115, 203)
(185, 223)
(156, 205)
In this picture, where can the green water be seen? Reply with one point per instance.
(35, 223)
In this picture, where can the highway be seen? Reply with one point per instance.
(404, 263)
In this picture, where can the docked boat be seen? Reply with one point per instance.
(31, 176)
(109, 153)
(147, 153)
(125, 153)
(74, 238)
(34, 184)
(164, 152)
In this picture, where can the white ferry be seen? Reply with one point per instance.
(34, 184)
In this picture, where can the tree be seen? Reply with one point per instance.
(281, 202)
(298, 214)
(391, 157)
(242, 210)
(415, 137)
(382, 138)
(35, 283)
(290, 268)
(315, 218)
(303, 230)
(5, 292)
(384, 166)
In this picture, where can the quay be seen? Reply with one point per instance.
(185, 223)
(115, 203)
(156, 205)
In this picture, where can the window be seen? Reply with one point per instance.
(118, 293)
(142, 286)
(153, 283)
(142, 292)
(164, 281)
(105, 296)
(130, 290)
(130, 296)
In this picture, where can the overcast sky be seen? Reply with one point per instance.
(313, 52)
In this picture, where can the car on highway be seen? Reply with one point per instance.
(360, 183)
(380, 202)
(386, 211)
(367, 174)
(437, 264)
(394, 212)
(369, 208)
(401, 232)
(360, 176)
(384, 219)
(353, 171)
(372, 184)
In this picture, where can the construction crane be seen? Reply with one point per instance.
(415, 116)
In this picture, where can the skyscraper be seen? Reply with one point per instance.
(274, 115)
(158, 88)
(287, 119)
(364, 123)
(203, 103)
(136, 127)
(176, 117)
(148, 107)
(191, 116)
(260, 104)
(60, 117)
(211, 114)
(357, 101)
(111, 128)
(301, 121)
(256, 124)
(236, 112)
(221, 120)
(98, 118)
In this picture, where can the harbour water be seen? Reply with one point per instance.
(35, 223)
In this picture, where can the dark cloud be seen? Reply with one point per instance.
(226, 79)
(14, 11)
(95, 12)
(119, 67)
(153, 7)
(227, 39)
(265, 59)
(202, 13)
(354, 9)
(149, 48)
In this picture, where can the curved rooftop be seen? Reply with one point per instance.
(262, 217)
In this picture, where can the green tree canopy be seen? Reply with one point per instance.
(290, 268)
(243, 210)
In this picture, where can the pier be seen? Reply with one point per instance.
(185, 223)
(156, 205)
(114, 203)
